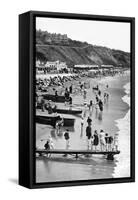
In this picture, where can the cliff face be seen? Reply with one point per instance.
(76, 52)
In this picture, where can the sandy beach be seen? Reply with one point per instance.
(114, 115)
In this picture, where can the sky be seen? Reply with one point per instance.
(115, 35)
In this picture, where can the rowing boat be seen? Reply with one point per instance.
(51, 120)
(68, 111)
(60, 99)
(65, 110)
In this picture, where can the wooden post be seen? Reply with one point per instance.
(76, 155)
(40, 154)
(110, 156)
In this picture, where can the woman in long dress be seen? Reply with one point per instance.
(95, 139)
(102, 140)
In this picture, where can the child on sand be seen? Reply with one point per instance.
(47, 146)
(50, 140)
(66, 136)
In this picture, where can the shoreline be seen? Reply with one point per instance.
(123, 124)
(82, 170)
(77, 78)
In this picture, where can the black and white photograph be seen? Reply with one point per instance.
(68, 93)
(82, 99)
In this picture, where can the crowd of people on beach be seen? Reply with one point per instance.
(101, 141)
(50, 105)
(96, 140)
(100, 99)
(44, 84)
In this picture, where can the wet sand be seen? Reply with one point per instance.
(59, 168)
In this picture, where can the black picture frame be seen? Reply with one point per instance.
(27, 98)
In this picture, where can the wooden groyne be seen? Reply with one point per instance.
(109, 154)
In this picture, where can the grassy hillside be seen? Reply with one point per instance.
(76, 52)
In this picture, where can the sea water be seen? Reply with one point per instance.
(123, 165)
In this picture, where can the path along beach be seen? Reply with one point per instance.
(115, 119)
